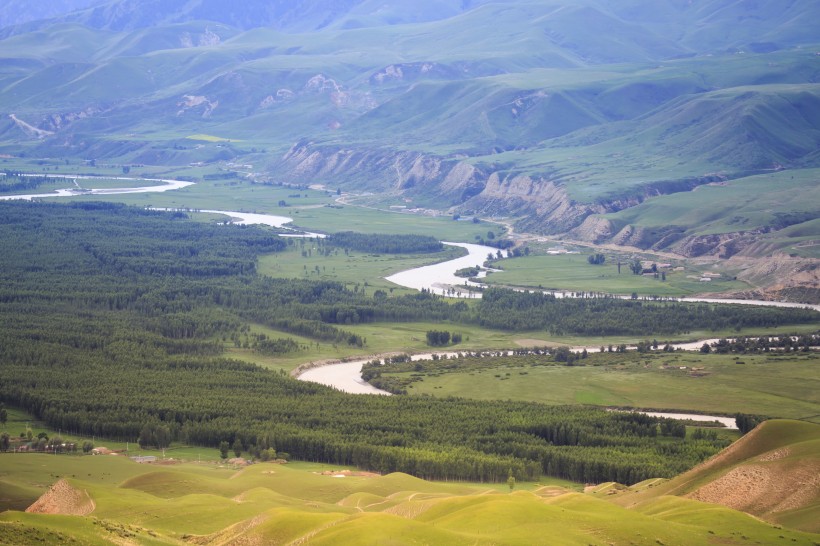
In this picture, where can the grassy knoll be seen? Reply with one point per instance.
(573, 272)
(272, 504)
(775, 384)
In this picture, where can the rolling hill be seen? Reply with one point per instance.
(106, 498)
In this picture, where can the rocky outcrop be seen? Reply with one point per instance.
(403, 172)
(542, 203)
(411, 72)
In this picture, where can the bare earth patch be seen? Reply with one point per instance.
(61, 498)
(764, 488)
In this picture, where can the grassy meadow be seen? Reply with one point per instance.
(572, 272)
(349, 268)
(784, 450)
(776, 385)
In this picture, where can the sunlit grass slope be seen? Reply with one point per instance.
(283, 504)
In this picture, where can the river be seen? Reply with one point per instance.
(439, 278)
(242, 218)
(346, 376)
(167, 185)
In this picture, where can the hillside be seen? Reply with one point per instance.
(771, 473)
(17, 12)
(286, 504)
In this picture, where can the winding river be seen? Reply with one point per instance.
(166, 185)
(439, 278)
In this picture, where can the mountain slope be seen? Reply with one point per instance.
(16, 12)
(566, 111)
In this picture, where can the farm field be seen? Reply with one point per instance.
(776, 385)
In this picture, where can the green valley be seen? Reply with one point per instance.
(503, 220)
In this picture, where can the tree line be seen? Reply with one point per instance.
(380, 243)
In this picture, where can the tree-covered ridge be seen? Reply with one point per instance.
(385, 243)
(110, 324)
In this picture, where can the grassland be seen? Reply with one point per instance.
(381, 338)
(777, 385)
(305, 206)
(279, 504)
(67, 183)
(572, 272)
(751, 203)
(210, 138)
(349, 268)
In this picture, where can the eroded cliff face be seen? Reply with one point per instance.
(600, 230)
(543, 204)
(540, 203)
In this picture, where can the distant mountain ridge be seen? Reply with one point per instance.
(17, 12)
(553, 112)
(701, 25)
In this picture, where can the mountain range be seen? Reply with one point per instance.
(559, 115)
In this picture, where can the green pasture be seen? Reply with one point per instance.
(350, 268)
(365, 220)
(774, 385)
(572, 272)
(380, 338)
(410, 337)
(305, 206)
(231, 194)
(74, 167)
